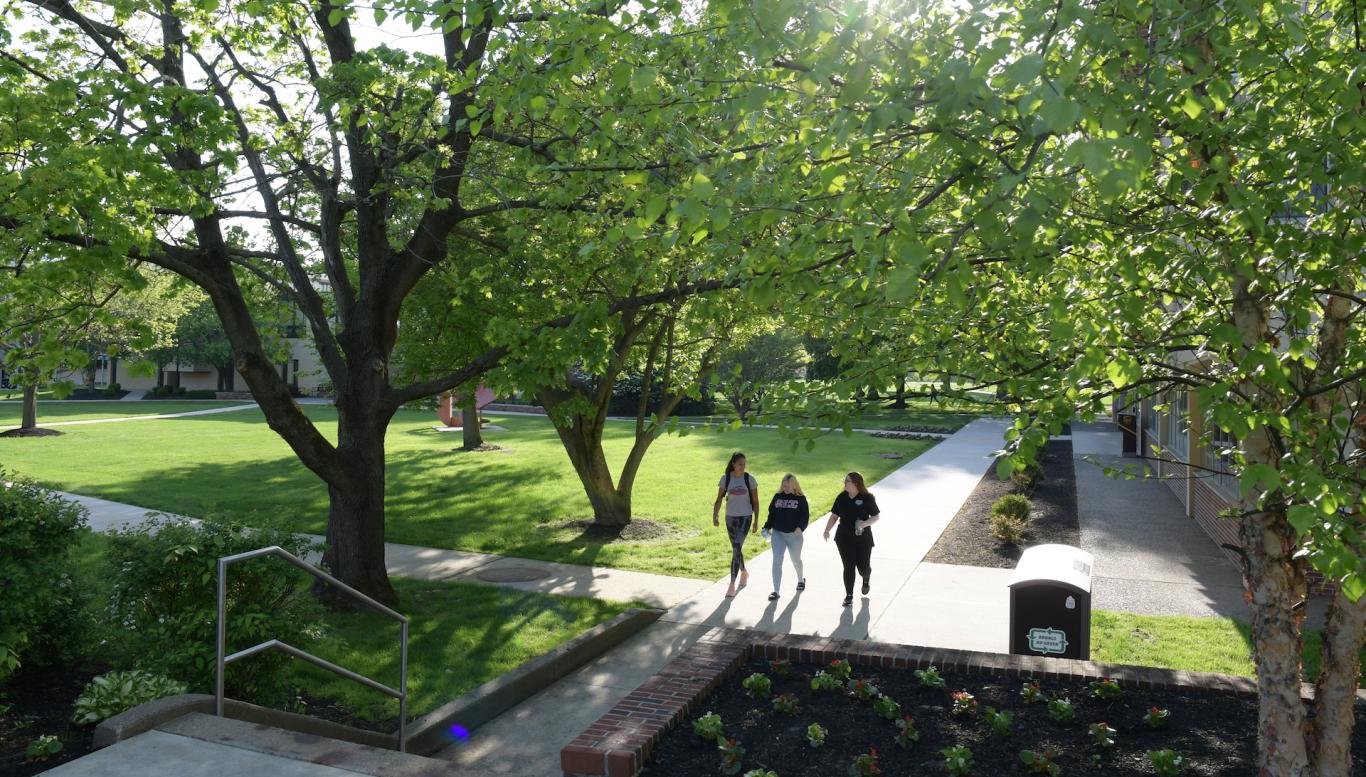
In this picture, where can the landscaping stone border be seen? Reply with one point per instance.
(619, 743)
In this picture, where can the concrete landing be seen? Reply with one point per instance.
(198, 745)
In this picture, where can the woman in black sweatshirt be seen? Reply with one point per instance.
(788, 515)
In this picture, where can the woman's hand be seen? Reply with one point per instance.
(714, 520)
(860, 525)
(798, 532)
(827, 535)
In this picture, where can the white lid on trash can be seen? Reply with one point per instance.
(1054, 563)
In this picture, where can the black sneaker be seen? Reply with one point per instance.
(866, 587)
(773, 597)
(801, 585)
(849, 600)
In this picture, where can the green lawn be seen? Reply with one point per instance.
(512, 502)
(1220, 645)
(460, 636)
(48, 412)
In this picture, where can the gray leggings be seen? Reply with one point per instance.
(790, 543)
(737, 526)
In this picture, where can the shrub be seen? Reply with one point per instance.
(824, 682)
(841, 669)
(863, 690)
(930, 678)
(1012, 505)
(906, 732)
(1028, 476)
(957, 760)
(781, 667)
(43, 748)
(1040, 762)
(1157, 718)
(816, 734)
(886, 707)
(113, 389)
(760, 773)
(1167, 763)
(757, 685)
(786, 704)
(865, 765)
(1102, 735)
(164, 600)
(1107, 689)
(964, 704)
(732, 756)
(708, 727)
(1008, 529)
(116, 692)
(1061, 710)
(37, 531)
(1031, 692)
(1000, 722)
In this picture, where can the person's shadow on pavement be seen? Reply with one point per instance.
(771, 622)
(854, 626)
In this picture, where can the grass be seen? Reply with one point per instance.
(460, 636)
(1222, 645)
(514, 502)
(48, 412)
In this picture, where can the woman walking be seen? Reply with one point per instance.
(740, 491)
(856, 510)
(788, 516)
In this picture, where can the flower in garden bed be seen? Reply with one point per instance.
(1000, 722)
(863, 690)
(760, 773)
(1040, 762)
(930, 678)
(823, 681)
(841, 669)
(1102, 735)
(708, 727)
(816, 734)
(786, 705)
(1107, 689)
(957, 760)
(757, 685)
(906, 732)
(1061, 710)
(1167, 763)
(865, 764)
(1157, 718)
(732, 755)
(964, 704)
(781, 667)
(886, 706)
(1031, 693)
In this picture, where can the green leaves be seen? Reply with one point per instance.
(1124, 370)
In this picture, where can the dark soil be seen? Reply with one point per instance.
(329, 709)
(40, 701)
(1217, 734)
(97, 394)
(637, 529)
(921, 428)
(893, 435)
(36, 432)
(1053, 501)
(481, 448)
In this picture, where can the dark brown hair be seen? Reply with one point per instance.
(857, 479)
(730, 465)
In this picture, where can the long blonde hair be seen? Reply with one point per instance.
(796, 487)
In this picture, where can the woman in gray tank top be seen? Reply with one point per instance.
(739, 490)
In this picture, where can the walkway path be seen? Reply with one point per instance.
(122, 418)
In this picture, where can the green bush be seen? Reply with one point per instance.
(1012, 505)
(113, 389)
(164, 598)
(1008, 529)
(116, 692)
(1028, 476)
(37, 531)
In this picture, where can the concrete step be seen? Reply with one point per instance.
(199, 745)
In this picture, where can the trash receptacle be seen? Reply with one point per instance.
(1128, 427)
(1050, 603)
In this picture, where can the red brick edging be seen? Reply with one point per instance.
(618, 744)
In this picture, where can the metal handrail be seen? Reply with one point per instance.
(223, 660)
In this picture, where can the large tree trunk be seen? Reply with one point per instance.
(1335, 693)
(582, 440)
(1277, 585)
(472, 436)
(355, 517)
(30, 413)
(900, 403)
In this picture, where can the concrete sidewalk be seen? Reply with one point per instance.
(484, 569)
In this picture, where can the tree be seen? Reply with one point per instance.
(345, 187)
(751, 367)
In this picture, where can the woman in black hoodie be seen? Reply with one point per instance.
(788, 515)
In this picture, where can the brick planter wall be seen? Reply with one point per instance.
(619, 743)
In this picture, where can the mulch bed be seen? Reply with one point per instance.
(40, 701)
(1216, 733)
(968, 542)
(338, 712)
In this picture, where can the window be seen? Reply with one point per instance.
(1218, 461)
(1178, 429)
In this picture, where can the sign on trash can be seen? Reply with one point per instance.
(1050, 603)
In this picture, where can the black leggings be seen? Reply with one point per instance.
(855, 552)
(737, 526)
